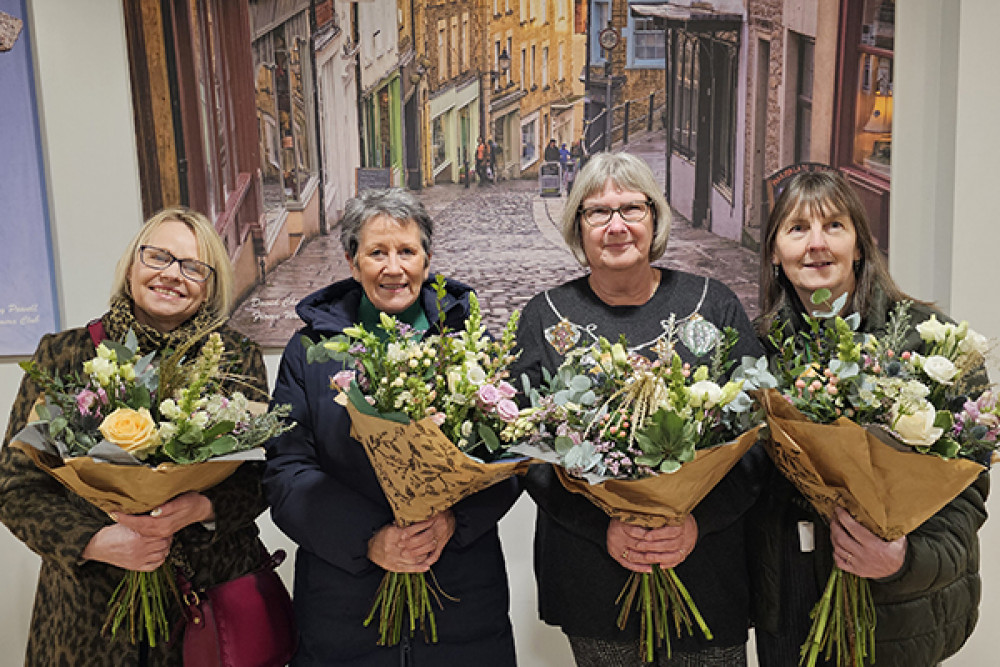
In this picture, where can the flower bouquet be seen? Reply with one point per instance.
(891, 435)
(130, 433)
(435, 415)
(644, 441)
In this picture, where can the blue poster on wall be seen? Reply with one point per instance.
(27, 285)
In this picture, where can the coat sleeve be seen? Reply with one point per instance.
(939, 551)
(480, 512)
(36, 508)
(308, 503)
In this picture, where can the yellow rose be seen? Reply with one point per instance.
(132, 430)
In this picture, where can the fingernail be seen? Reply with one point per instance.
(156, 512)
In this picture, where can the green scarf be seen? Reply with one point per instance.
(369, 317)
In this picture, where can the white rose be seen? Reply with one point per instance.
(918, 429)
(932, 331)
(974, 342)
(705, 394)
(940, 369)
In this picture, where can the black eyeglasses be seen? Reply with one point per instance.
(598, 216)
(160, 259)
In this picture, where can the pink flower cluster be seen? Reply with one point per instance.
(90, 402)
(497, 400)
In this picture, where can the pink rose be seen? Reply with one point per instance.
(489, 394)
(438, 418)
(507, 410)
(506, 389)
(342, 379)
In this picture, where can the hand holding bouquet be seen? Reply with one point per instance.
(643, 440)
(436, 415)
(853, 422)
(129, 433)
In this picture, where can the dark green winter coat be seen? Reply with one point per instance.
(924, 613)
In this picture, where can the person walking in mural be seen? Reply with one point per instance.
(616, 222)
(926, 584)
(551, 152)
(324, 492)
(494, 156)
(174, 282)
(482, 160)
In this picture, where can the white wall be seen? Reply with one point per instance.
(944, 182)
(944, 187)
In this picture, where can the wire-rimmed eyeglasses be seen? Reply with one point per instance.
(159, 259)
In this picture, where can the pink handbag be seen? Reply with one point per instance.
(246, 622)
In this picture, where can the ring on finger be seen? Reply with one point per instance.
(625, 554)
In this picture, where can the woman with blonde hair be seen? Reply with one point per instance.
(172, 284)
(616, 223)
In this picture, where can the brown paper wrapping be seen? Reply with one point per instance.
(890, 492)
(124, 488)
(421, 472)
(129, 489)
(665, 499)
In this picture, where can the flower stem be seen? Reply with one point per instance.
(659, 597)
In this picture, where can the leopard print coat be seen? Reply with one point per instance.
(72, 595)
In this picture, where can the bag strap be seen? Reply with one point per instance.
(96, 329)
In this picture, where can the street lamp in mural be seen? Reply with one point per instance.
(503, 63)
(608, 39)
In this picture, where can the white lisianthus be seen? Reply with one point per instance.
(705, 394)
(940, 369)
(466, 429)
(127, 373)
(917, 429)
(475, 374)
(932, 330)
(106, 353)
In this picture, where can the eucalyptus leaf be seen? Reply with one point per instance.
(489, 437)
(223, 445)
(563, 444)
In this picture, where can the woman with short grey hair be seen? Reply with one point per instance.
(395, 203)
(325, 495)
(617, 222)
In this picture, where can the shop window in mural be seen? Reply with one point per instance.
(873, 127)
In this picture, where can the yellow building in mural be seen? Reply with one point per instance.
(538, 96)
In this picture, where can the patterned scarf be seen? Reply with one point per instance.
(120, 318)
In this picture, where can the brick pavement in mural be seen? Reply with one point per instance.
(503, 240)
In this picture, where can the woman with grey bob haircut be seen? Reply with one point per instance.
(396, 203)
(627, 172)
(616, 223)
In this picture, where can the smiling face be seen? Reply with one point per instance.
(391, 263)
(618, 245)
(164, 298)
(816, 249)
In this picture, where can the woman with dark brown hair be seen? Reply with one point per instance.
(925, 584)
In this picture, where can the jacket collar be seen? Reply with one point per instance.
(333, 308)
